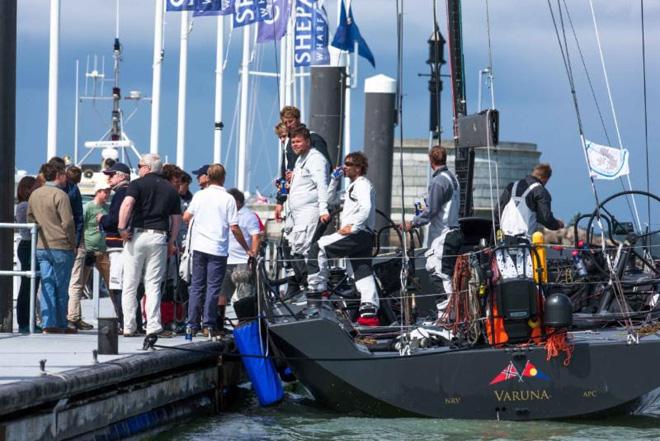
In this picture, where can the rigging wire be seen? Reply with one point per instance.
(593, 94)
(569, 72)
(586, 72)
(399, 104)
(646, 120)
(489, 145)
(614, 117)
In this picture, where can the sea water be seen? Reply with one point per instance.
(298, 417)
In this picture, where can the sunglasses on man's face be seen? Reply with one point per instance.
(348, 164)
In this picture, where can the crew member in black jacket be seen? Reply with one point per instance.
(517, 219)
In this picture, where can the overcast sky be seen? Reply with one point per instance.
(531, 88)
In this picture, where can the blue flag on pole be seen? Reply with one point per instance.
(311, 34)
(180, 5)
(348, 33)
(247, 12)
(274, 27)
(205, 8)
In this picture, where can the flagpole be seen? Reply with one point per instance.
(242, 133)
(289, 58)
(53, 77)
(303, 107)
(219, 71)
(183, 74)
(282, 82)
(157, 67)
(347, 106)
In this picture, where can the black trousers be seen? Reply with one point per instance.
(23, 300)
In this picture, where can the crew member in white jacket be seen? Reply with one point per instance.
(354, 239)
(308, 198)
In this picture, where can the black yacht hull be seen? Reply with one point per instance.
(605, 374)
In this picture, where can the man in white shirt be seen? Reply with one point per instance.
(354, 240)
(213, 213)
(251, 227)
(308, 198)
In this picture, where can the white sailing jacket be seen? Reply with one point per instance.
(308, 195)
(359, 205)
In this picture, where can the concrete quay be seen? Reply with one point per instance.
(114, 396)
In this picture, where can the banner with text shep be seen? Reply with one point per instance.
(311, 34)
(274, 27)
(180, 5)
(247, 12)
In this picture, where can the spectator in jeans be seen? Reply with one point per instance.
(23, 192)
(49, 206)
(92, 252)
(153, 205)
(213, 213)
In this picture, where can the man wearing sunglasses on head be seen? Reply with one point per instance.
(354, 239)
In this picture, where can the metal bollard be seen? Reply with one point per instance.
(108, 340)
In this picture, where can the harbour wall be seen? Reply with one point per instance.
(120, 398)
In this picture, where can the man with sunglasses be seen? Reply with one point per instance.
(445, 238)
(153, 206)
(354, 240)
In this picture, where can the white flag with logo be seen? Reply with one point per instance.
(607, 162)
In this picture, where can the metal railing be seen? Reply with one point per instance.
(33, 273)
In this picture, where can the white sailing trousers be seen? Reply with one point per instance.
(146, 251)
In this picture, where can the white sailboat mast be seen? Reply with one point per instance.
(53, 77)
(157, 67)
(242, 130)
(183, 75)
(219, 68)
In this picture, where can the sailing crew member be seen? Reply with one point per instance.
(354, 239)
(523, 219)
(444, 237)
(290, 120)
(308, 199)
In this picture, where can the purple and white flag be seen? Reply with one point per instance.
(205, 8)
(247, 12)
(274, 27)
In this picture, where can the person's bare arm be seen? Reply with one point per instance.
(256, 242)
(124, 215)
(175, 224)
(238, 234)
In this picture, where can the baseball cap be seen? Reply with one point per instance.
(203, 170)
(117, 167)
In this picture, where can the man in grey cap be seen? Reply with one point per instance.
(202, 174)
(118, 177)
